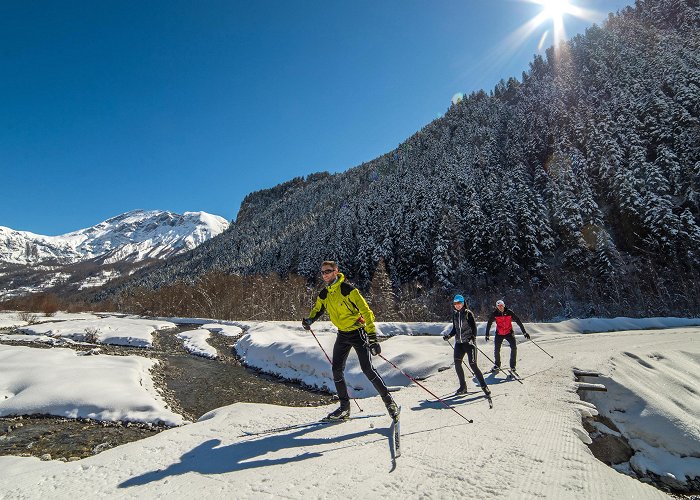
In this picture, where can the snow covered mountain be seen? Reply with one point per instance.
(92, 256)
(131, 237)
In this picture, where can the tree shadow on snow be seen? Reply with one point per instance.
(208, 458)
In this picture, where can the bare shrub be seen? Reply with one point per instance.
(28, 317)
(76, 307)
(49, 305)
(91, 335)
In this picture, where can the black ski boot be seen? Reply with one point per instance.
(461, 390)
(393, 410)
(487, 393)
(341, 413)
(391, 407)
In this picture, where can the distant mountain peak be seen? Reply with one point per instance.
(132, 236)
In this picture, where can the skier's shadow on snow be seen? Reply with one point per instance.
(462, 399)
(450, 399)
(208, 458)
(492, 380)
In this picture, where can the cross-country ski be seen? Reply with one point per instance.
(323, 421)
(396, 433)
(513, 375)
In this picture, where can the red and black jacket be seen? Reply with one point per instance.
(504, 322)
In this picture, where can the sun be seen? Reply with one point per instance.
(554, 12)
(554, 9)
(547, 24)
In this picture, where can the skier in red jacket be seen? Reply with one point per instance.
(504, 318)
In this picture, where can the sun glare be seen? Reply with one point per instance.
(554, 9)
(553, 12)
(548, 25)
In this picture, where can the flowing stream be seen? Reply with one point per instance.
(191, 385)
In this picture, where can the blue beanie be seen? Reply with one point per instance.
(458, 298)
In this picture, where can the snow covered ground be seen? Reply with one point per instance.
(531, 444)
(118, 331)
(11, 319)
(65, 383)
(195, 342)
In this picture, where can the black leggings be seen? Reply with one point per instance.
(341, 349)
(470, 351)
(498, 340)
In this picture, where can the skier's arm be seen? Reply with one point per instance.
(472, 325)
(520, 324)
(317, 310)
(488, 325)
(359, 301)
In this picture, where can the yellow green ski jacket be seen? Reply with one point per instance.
(346, 308)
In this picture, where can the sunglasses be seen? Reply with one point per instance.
(327, 271)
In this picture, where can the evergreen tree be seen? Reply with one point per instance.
(382, 296)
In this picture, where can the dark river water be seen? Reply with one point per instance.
(191, 386)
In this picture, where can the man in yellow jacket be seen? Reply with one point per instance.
(349, 312)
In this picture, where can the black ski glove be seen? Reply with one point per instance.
(375, 348)
(472, 339)
(446, 337)
(527, 335)
(486, 338)
(306, 323)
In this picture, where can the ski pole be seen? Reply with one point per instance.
(541, 349)
(494, 363)
(424, 388)
(331, 362)
(465, 365)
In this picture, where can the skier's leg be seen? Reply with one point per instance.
(513, 349)
(361, 345)
(471, 355)
(458, 358)
(497, 341)
(341, 349)
(364, 356)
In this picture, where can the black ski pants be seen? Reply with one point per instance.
(356, 339)
(460, 350)
(498, 340)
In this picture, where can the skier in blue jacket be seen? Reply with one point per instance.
(464, 331)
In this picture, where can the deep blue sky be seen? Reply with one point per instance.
(108, 106)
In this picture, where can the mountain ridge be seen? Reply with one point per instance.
(118, 238)
(31, 262)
